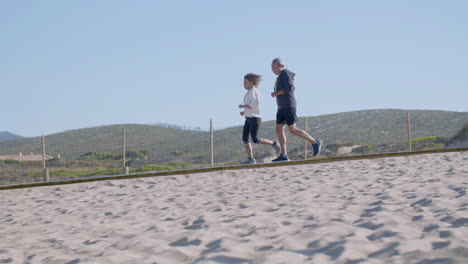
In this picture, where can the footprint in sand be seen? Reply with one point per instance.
(184, 242)
(461, 192)
(460, 222)
(381, 234)
(371, 212)
(197, 224)
(423, 202)
(445, 234)
(333, 249)
(214, 246)
(387, 251)
(430, 228)
(438, 245)
(370, 226)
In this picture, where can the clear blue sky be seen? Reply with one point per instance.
(76, 64)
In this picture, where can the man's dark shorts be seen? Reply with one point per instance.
(286, 116)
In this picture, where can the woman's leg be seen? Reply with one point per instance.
(245, 138)
(254, 128)
(248, 150)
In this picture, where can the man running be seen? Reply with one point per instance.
(286, 115)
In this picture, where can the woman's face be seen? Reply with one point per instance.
(248, 84)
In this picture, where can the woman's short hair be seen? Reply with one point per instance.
(253, 78)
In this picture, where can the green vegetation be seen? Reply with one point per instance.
(429, 139)
(81, 173)
(9, 162)
(336, 146)
(364, 149)
(461, 138)
(418, 144)
(129, 155)
(427, 143)
(93, 156)
(177, 153)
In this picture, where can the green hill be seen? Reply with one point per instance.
(383, 130)
(374, 129)
(460, 140)
(73, 143)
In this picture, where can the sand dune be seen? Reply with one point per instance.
(391, 210)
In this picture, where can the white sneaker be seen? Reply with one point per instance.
(249, 161)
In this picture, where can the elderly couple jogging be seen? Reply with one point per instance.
(286, 115)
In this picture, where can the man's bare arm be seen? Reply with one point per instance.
(280, 92)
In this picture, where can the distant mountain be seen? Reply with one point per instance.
(6, 136)
(367, 127)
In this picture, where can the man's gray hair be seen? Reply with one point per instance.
(278, 62)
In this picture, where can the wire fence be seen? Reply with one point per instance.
(122, 149)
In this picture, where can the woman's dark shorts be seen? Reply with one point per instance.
(286, 116)
(251, 127)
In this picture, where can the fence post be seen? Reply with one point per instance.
(408, 122)
(212, 143)
(45, 170)
(125, 171)
(305, 141)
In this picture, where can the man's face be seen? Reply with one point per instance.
(276, 68)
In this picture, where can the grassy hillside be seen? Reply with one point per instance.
(376, 126)
(379, 130)
(71, 144)
(460, 140)
(369, 127)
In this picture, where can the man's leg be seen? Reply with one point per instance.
(281, 138)
(301, 133)
(316, 144)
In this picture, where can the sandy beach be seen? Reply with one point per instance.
(410, 209)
